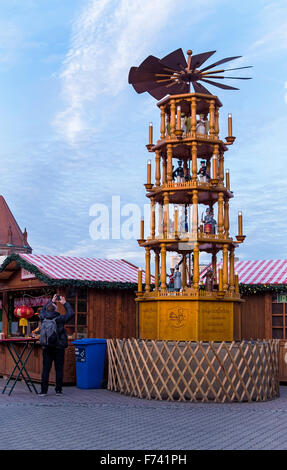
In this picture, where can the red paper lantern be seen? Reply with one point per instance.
(23, 312)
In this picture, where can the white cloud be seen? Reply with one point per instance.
(105, 42)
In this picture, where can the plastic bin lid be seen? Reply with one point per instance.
(89, 341)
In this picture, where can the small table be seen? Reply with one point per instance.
(20, 361)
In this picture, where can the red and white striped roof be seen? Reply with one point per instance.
(84, 269)
(259, 272)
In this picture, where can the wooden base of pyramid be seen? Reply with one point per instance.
(186, 318)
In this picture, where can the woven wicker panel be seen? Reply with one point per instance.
(194, 371)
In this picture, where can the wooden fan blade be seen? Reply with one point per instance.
(219, 85)
(235, 78)
(220, 62)
(198, 88)
(199, 59)
(175, 60)
(173, 89)
(240, 68)
(141, 87)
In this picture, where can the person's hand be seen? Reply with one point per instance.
(54, 299)
(62, 300)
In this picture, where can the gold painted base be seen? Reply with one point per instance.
(188, 319)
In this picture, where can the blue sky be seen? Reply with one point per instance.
(73, 132)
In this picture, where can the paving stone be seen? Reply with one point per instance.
(100, 419)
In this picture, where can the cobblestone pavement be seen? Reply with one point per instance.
(100, 419)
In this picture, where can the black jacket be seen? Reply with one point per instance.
(61, 320)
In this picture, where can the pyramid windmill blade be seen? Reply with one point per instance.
(141, 87)
(198, 88)
(219, 85)
(234, 78)
(199, 59)
(173, 89)
(239, 68)
(175, 60)
(222, 61)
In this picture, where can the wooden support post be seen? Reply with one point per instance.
(152, 225)
(220, 280)
(236, 283)
(157, 168)
(176, 222)
(216, 122)
(214, 267)
(164, 176)
(194, 161)
(194, 211)
(172, 118)
(220, 213)
(231, 270)
(226, 217)
(142, 229)
(162, 123)
(5, 309)
(184, 271)
(163, 266)
(156, 270)
(165, 215)
(140, 280)
(196, 267)
(225, 266)
(221, 167)
(169, 164)
(147, 269)
(212, 118)
(193, 116)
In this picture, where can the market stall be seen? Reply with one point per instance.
(101, 292)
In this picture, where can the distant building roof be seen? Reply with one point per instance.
(12, 239)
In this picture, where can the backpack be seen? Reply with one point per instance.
(49, 333)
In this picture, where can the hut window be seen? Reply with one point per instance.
(78, 298)
(279, 320)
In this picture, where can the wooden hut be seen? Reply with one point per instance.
(101, 293)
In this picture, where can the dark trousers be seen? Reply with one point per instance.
(50, 355)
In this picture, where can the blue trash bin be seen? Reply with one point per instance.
(90, 362)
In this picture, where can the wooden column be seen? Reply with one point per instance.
(214, 267)
(231, 270)
(184, 271)
(140, 280)
(225, 267)
(172, 118)
(163, 266)
(147, 269)
(193, 116)
(194, 211)
(164, 169)
(169, 164)
(220, 213)
(216, 122)
(165, 215)
(212, 117)
(156, 270)
(221, 167)
(196, 267)
(226, 217)
(5, 314)
(162, 123)
(157, 168)
(152, 218)
(160, 220)
(194, 160)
